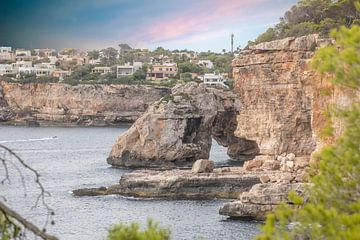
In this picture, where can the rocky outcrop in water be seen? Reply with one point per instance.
(182, 184)
(260, 200)
(177, 130)
(81, 105)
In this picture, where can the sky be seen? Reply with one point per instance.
(199, 25)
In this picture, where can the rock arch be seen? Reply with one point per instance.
(178, 129)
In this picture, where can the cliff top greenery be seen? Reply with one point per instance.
(312, 16)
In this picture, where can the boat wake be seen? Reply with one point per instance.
(30, 140)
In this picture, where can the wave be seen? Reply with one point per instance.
(30, 140)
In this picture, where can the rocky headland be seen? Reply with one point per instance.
(272, 119)
(59, 104)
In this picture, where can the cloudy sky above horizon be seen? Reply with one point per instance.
(199, 25)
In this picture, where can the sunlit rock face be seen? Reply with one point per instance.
(81, 105)
(177, 130)
(276, 86)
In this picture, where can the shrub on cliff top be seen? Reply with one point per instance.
(312, 16)
(332, 210)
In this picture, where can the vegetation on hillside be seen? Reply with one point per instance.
(332, 210)
(312, 16)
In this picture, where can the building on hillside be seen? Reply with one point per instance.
(61, 74)
(7, 69)
(101, 70)
(127, 69)
(6, 54)
(45, 52)
(26, 70)
(19, 64)
(53, 59)
(42, 72)
(161, 71)
(45, 65)
(94, 61)
(5, 49)
(22, 52)
(39, 70)
(213, 79)
(24, 55)
(206, 64)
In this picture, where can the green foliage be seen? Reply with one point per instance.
(140, 75)
(8, 230)
(328, 59)
(313, 16)
(109, 57)
(133, 232)
(222, 62)
(94, 54)
(332, 210)
(188, 67)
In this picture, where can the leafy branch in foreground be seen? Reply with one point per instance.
(133, 232)
(332, 210)
(12, 224)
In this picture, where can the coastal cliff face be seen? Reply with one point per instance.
(81, 105)
(279, 92)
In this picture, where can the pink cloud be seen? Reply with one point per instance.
(200, 20)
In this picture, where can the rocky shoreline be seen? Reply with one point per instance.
(64, 105)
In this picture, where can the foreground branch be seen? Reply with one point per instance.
(28, 225)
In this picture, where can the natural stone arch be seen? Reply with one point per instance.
(178, 129)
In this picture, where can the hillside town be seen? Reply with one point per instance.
(110, 65)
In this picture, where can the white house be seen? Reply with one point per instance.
(26, 70)
(6, 69)
(5, 49)
(205, 63)
(22, 53)
(101, 70)
(212, 79)
(6, 54)
(61, 74)
(45, 52)
(20, 64)
(127, 69)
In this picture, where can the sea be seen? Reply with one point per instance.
(72, 158)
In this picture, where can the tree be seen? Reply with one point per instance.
(133, 232)
(94, 54)
(332, 210)
(109, 56)
(313, 16)
(124, 48)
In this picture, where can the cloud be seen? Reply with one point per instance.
(196, 23)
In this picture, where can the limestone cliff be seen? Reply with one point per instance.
(84, 105)
(283, 98)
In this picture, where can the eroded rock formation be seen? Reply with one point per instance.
(6, 113)
(180, 184)
(84, 105)
(177, 130)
